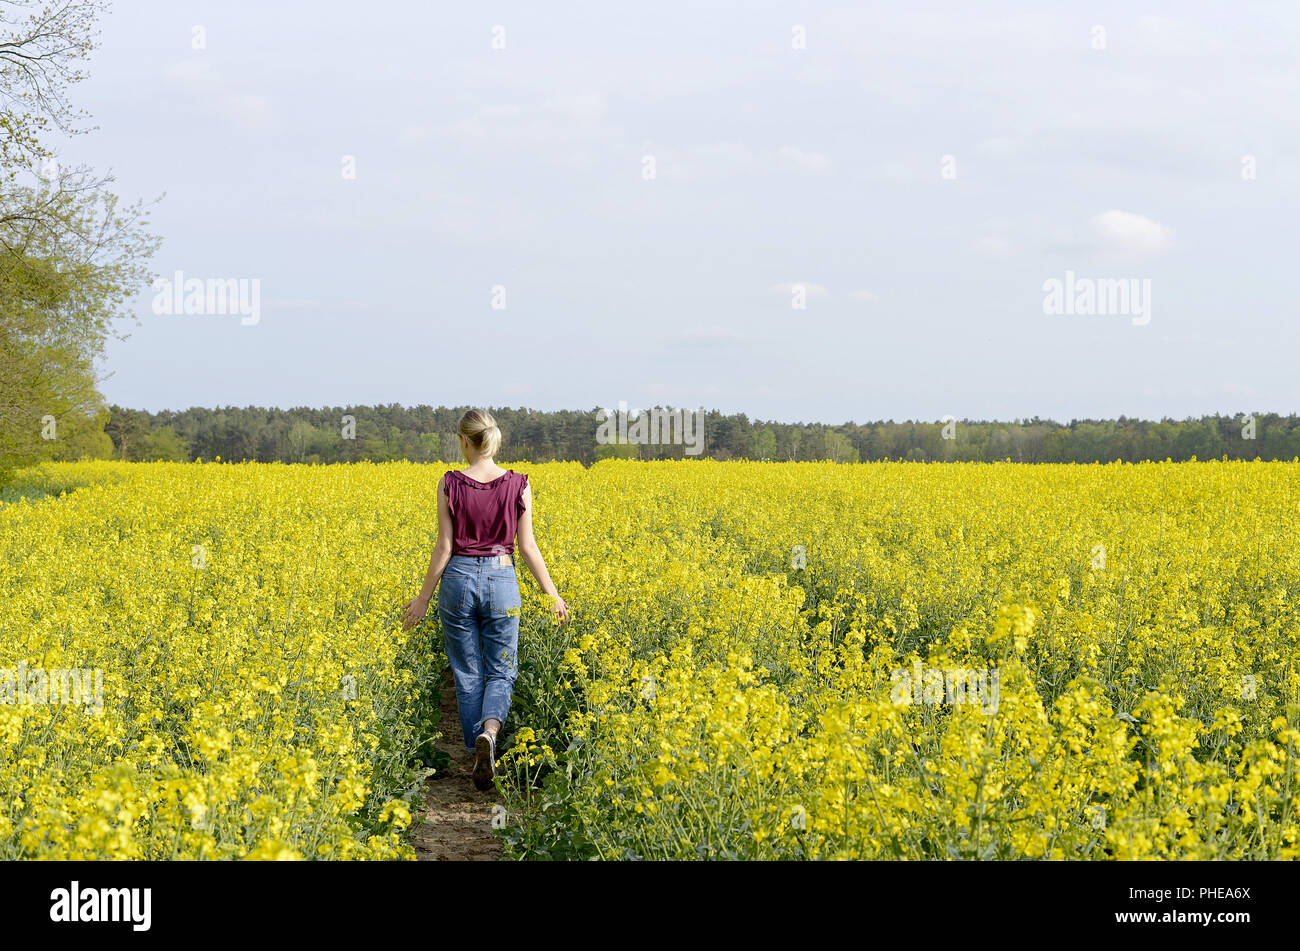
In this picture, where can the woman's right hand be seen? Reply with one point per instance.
(560, 608)
(413, 612)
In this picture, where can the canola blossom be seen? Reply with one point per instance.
(258, 700)
(765, 661)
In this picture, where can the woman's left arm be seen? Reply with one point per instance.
(532, 555)
(417, 607)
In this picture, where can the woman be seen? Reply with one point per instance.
(482, 509)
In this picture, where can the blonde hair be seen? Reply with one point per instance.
(481, 430)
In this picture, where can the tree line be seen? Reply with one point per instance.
(427, 434)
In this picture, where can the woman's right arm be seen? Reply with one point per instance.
(417, 607)
(532, 555)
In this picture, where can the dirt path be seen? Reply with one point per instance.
(457, 817)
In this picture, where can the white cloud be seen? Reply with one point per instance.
(866, 297)
(553, 125)
(1128, 232)
(413, 133)
(583, 107)
(706, 338)
(723, 153)
(807, 161)
(698, 161)
(897, 172)
(315, 305)
(728, 158)
(998, 148)
(993, 246)
(252, 111)
(192, 72)
(503, 111)
(1165, 37)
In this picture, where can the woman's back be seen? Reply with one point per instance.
(481, 510)
(484, 515)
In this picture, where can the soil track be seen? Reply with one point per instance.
(457, 817)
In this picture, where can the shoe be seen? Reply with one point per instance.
(485, 765)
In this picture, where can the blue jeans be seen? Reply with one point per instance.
(478, 601)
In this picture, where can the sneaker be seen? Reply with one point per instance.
(485, 756)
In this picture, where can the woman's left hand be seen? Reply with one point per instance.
(415, 609)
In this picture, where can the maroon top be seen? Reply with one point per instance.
(484, 515)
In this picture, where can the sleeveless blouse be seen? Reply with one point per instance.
(484, 515)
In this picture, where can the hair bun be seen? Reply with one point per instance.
(481, 430)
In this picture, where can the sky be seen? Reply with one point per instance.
(799, 211)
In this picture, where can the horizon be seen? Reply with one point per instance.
(1015, 421)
